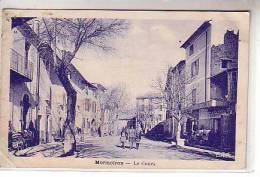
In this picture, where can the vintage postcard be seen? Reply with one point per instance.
(107, 89)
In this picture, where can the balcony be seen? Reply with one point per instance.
(208, 104)
(20, 71)
(224, 65)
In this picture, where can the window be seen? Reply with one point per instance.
(161, 107)
(142, 107)
(88, 124)
(87, 104)
(193, 94)
(191, 50)
(93, 106)
(224, 64)
(195, 68)
(27, 47)
(150, 107)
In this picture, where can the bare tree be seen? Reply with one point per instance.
(158, 83)
(170, 83)
(69, 35)
(178, 98)
(115, 100)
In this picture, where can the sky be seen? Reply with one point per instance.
(144, 52)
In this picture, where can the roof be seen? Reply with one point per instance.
(173, 70)
(28, 33)
(72, 68)
(99, 86)
(182, 62)
(198, 32)
(150, 96)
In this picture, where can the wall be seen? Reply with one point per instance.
(59, 108)
(229, 52)
(217, 52)
(198, 82)
(216, 91)
(204, 120)
(19, 89)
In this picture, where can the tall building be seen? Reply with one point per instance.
(211, 74)
(223, 83)
(28, 109)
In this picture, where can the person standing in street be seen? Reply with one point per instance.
(138, 136)
(132, 136)
(123, 138)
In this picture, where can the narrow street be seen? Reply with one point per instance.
(109, 147)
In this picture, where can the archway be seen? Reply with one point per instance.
(25, 105)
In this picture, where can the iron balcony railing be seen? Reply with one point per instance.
(19, 65)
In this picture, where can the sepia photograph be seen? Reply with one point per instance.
(137, 86)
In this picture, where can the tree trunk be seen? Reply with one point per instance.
(178, 133)
(69, 130)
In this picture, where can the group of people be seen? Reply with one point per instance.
(132, 136)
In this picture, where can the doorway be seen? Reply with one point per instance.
(25, 107)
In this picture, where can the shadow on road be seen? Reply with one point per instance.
(46, 150)
(94, 151)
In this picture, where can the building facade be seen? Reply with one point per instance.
(28, 109)
(223, 84)
(151, 110)
(88, 112)
(175, 100)
(211, 74)
(38, 100)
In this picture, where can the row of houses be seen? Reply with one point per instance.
(38, 100)
(198, 106)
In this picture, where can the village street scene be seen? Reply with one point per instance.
(123, 88)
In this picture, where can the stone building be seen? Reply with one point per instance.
(211, 72)
(175, 99)
(30, 92)
(151, 110)
(88, 113)
(38, 99)
(223, 84)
